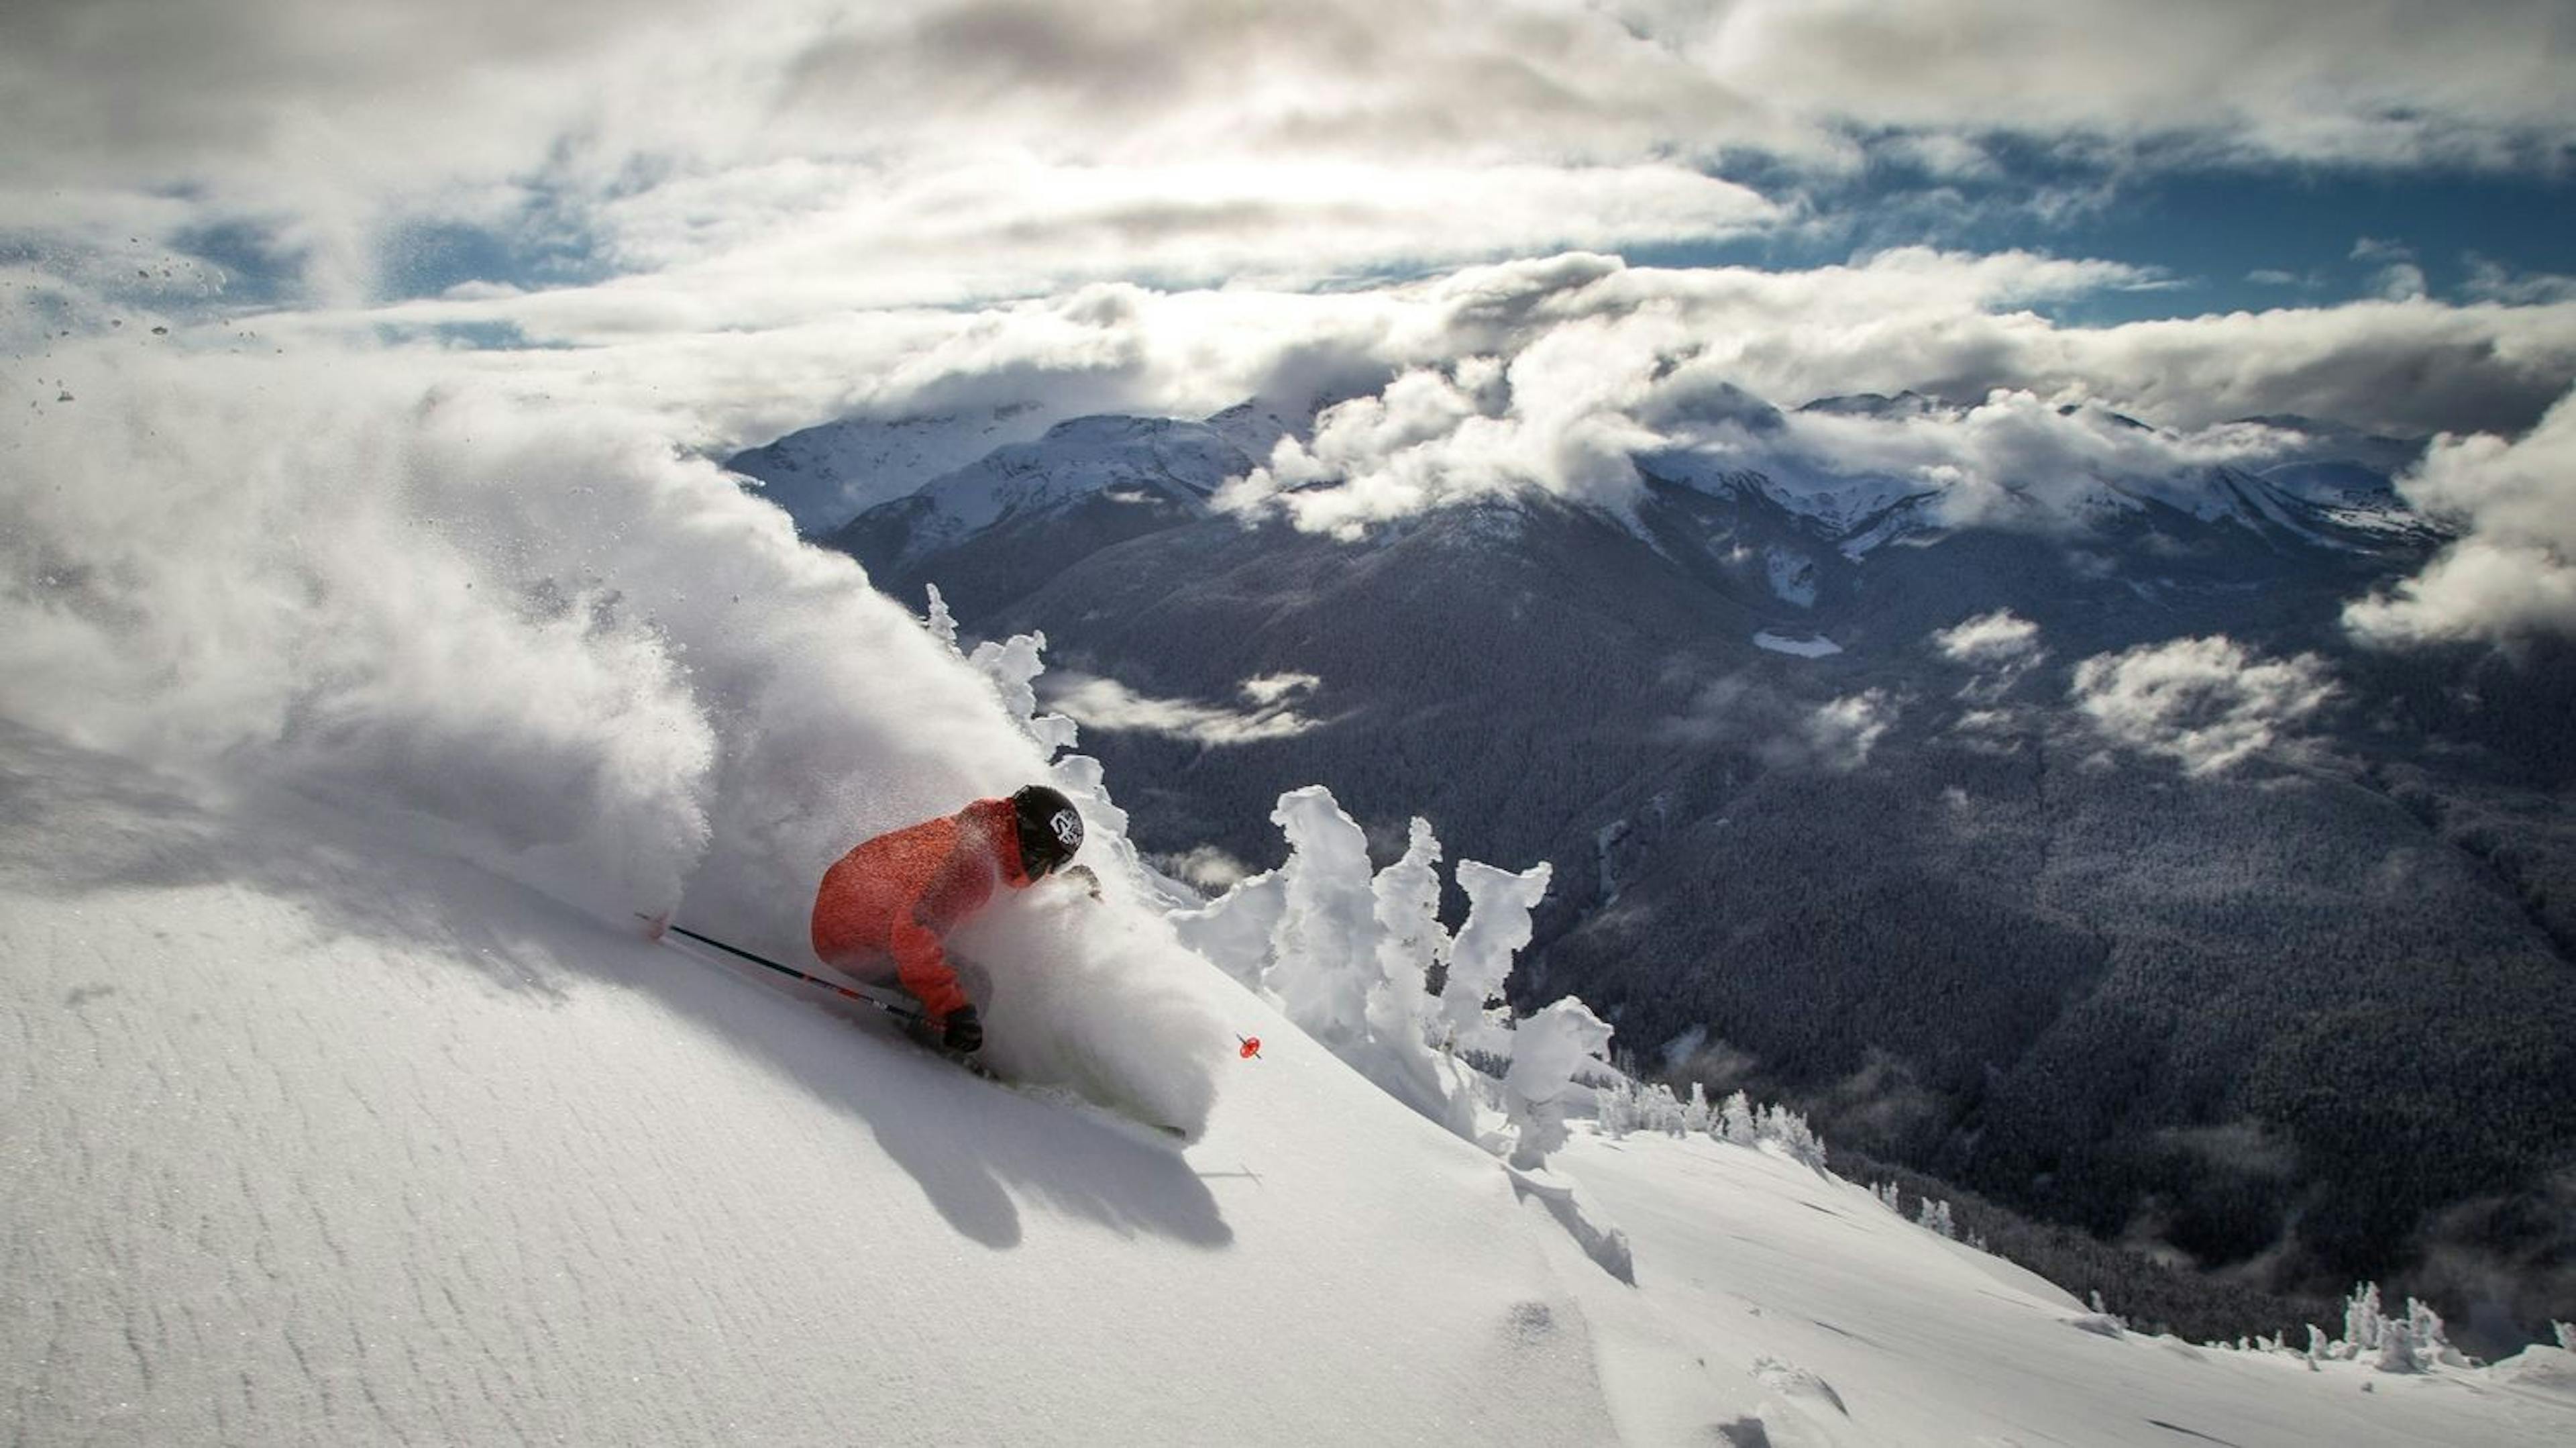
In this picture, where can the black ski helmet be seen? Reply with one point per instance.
(1050, 828)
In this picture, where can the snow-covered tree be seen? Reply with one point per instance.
(1935, 1216)
(2405, 1344)
(1695, 1115)
(1546, 1051)
(1013, 665)
(1778, 1123)
(941, 623)
(1735, 1121)
(2363, 1322)
(1348, 955)
(1498, 925)
(1324, 951)
(1614, 1108)
(2566, 1335)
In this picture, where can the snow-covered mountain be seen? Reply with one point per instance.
(826, 475)
(1088, 484)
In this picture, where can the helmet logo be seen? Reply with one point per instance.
(1068, 829)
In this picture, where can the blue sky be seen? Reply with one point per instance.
(2220, 238)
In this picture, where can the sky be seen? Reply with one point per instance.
(745, 222)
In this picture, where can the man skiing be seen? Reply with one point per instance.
(884, 908)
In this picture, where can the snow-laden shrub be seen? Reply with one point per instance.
(2406, 1344)
(1546, 1051)
(1348, 954)
(1499, 903)
(1777, 1123)
(943, 624)
(1735, 1121)
(1013, 665)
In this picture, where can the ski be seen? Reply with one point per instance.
(659, 927)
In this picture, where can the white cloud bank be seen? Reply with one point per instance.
(2515, 571)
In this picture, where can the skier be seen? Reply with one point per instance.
(884, 908)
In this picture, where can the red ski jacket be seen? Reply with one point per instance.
(897, 895)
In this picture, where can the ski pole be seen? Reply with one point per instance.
(661, 924)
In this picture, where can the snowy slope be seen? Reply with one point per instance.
(1861, 1328)
(323, 1138)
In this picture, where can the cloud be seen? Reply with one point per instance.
(1098, 703)
(2514, 570)
(1840, 734)
(2399, 278)
(2310, 79)
(945, 150)
(1834, 737)
(1270, 690)
(1540, 373)
(2000, 637)
(2002, 647)
(2209, 703)
(1549, 375)
(2492, 281)
(1206, 867)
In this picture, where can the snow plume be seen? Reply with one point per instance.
(1348, 954)
(1096, 992)
(536, 633)
(349, 584)
(2514, 571)
(2208, 702)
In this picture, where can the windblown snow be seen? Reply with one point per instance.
(345, 724)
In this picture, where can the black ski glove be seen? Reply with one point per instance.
(965, 1033)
